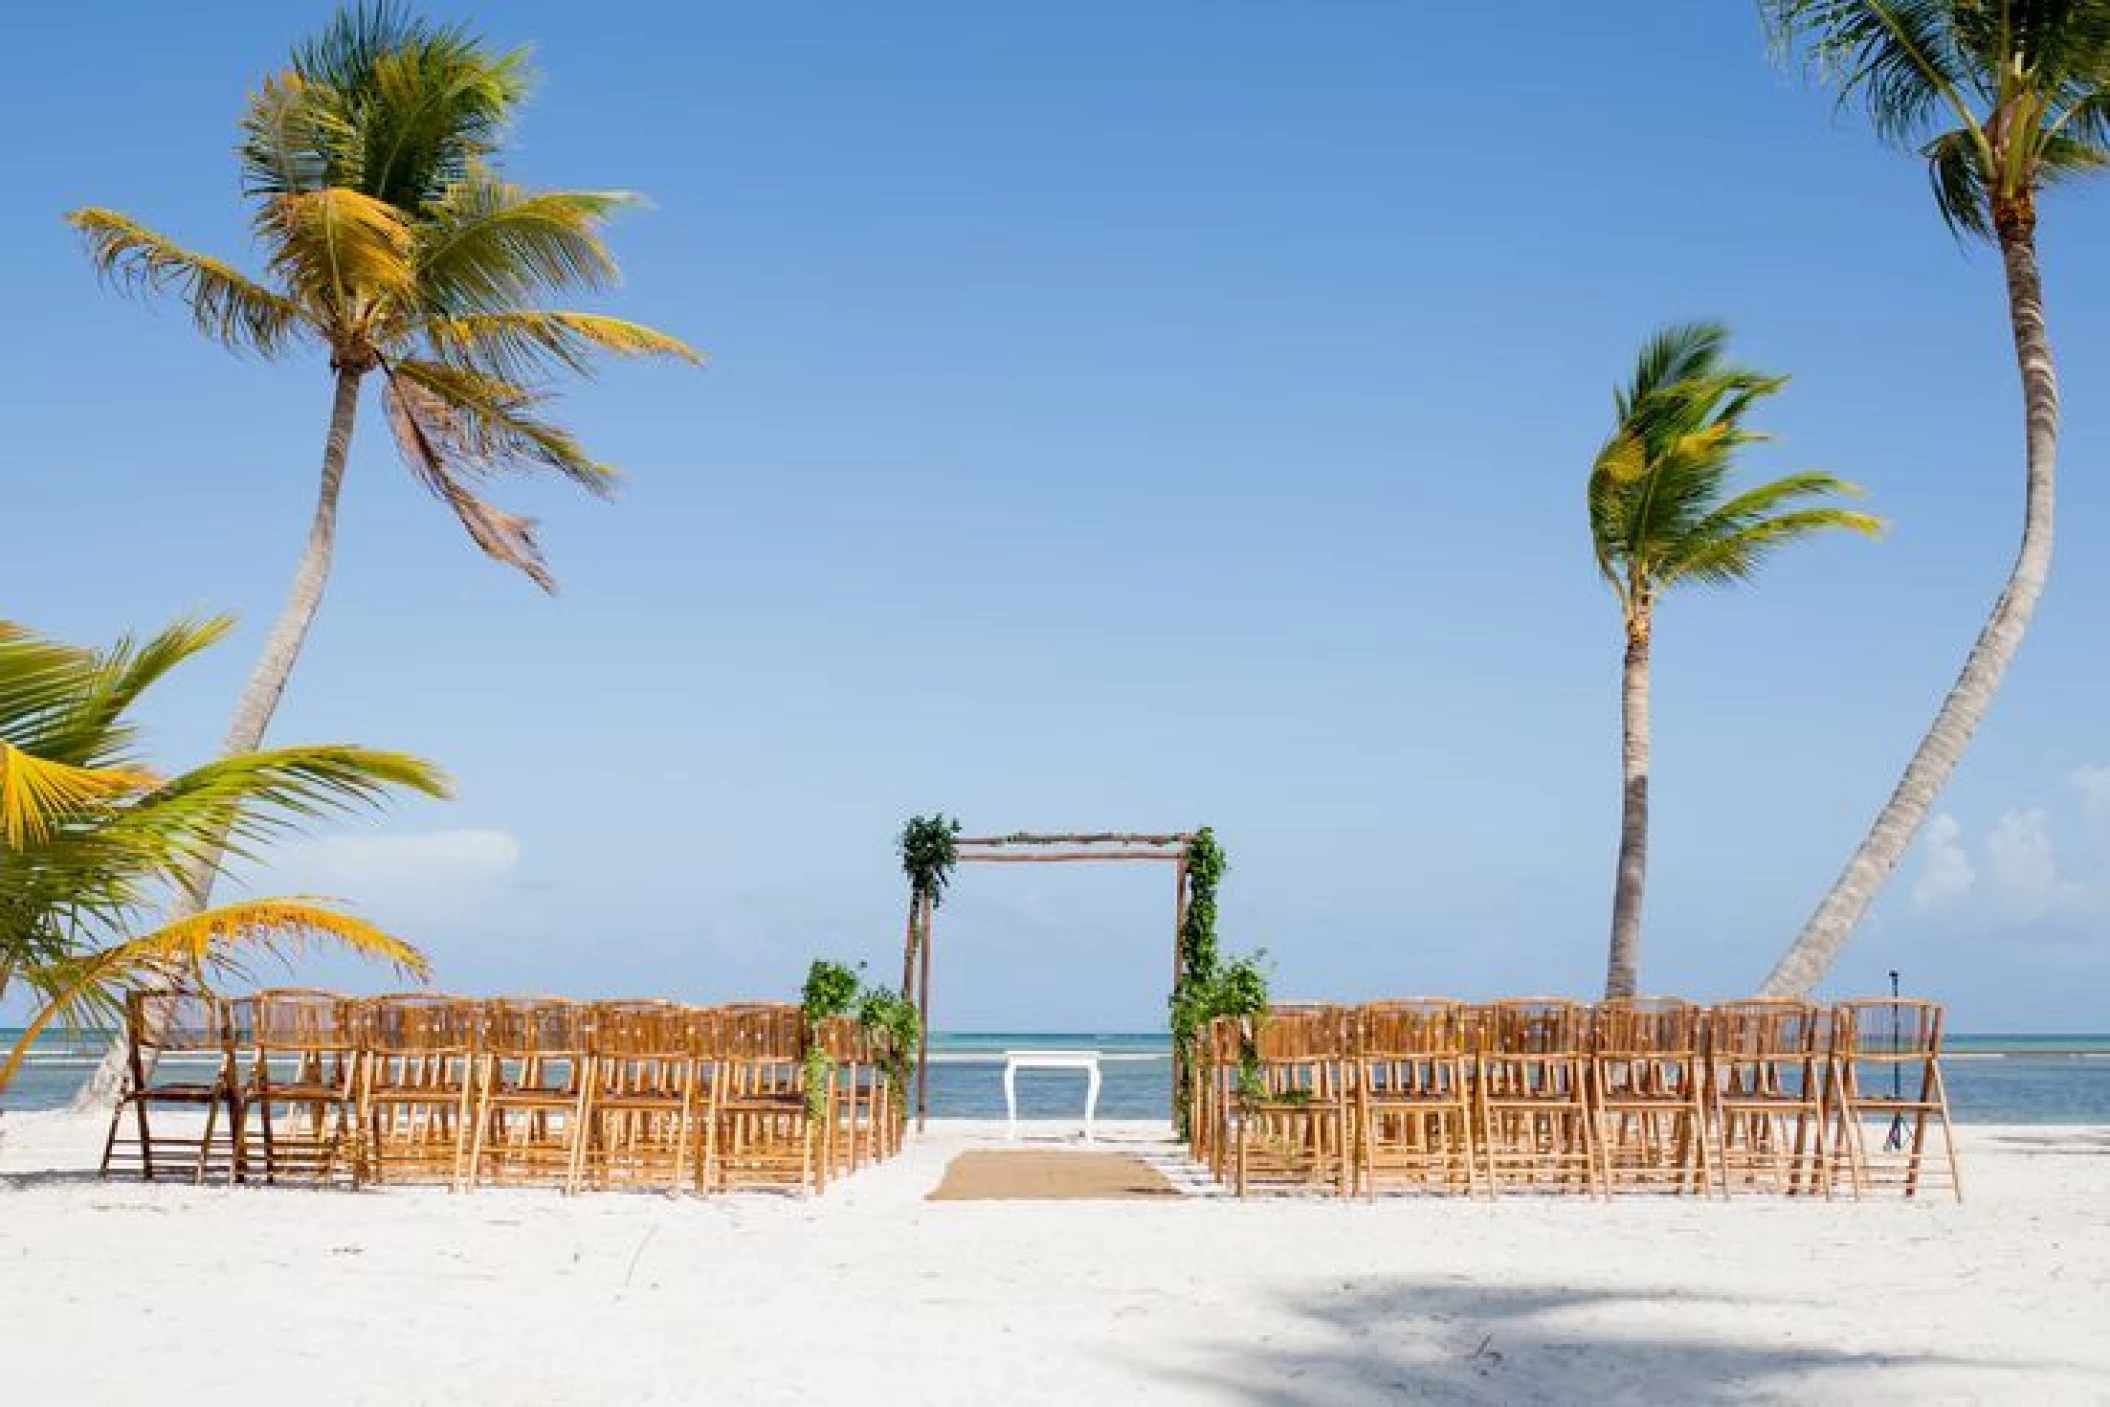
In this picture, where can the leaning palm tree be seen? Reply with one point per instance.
(2002, 98)
(93, 842)
(1661, 516)
(395, 249)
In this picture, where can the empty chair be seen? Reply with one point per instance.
(1213, 1084)
(531, 1089)
(1413, 1097)
(763, 1132)
(857, 1098)
(417, 1078)
(178, 1055)
(1649, 1092)
(1887, 1094)
(1292, 1117)
(1766, 1068)
(1532, 1093)
(299, 1100)
(642, 1110)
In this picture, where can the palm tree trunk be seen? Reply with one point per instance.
(252, 714)
(1899, 822)
(1623, 968)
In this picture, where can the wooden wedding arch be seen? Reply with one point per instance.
(1038, 848)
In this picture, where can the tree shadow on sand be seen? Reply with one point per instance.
(1432, 1340)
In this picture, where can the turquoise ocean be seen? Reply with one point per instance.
(1993, 1079)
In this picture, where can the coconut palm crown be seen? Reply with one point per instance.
(94, 842)
(2001, 97)
(392, 243)
(1661, 515)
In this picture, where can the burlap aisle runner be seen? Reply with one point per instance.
(1004, 1176)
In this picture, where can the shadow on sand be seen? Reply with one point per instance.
(1406, 1339)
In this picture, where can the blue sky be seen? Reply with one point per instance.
(1126, 415)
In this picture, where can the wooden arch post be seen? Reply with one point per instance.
(1038, 848)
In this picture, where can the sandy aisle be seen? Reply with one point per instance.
(111, 1291)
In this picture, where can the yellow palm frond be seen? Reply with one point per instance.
(339, 248)
(186, 951)
(37, 794)
(520, 344)
(226, 306)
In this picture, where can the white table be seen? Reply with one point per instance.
(1016, 1060)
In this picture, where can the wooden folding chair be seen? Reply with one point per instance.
(531, 1089)
(179, 1054)
(764, 1134)
(1766, 1067)
(1293, 1131)
(417, 1078)
(642, 1109)
(857, 1098)
(1213, 1085)
(301, 1089)
(1413, 1097)
(1648, 1091)
(1531, 1078)
(1887, 1093)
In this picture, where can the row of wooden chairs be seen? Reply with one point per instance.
(296, 1083)
(1642, 1094)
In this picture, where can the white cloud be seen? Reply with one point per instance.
(1947, 873)
(2092, 780)
(432, 875)
(2020, 859)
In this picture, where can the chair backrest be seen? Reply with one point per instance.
(1648, 1026)
(1296, 1034)
(420, 1023)
(302, 1020)
(524, 1026)
(176, 1021)
(762, 1033)
(640, 1030)
(846, 1040)
(1536, 1026)
(1886, 1028)
(1765, 1029)
(1405, 1029)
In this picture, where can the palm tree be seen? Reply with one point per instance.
(2002, 98)
(91, 839)
(1660, 516)
(394, 247)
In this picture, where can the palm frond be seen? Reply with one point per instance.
(524, 345)
(38, 795)
(1900, 59)
(486, 245)
(339, 248)
(193, 952)
(1735, 556)
(487, 424)
(429, 434)
(226, 306)
(1958, 173)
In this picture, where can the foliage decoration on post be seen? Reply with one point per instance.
(930, 849)
(1207, 988)
(891, 1014)
(830, 991)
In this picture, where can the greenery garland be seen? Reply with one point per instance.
(1208, 987)
(930, 847)
(829, 990)
(833, 990)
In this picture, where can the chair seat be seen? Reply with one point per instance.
(180, 1093)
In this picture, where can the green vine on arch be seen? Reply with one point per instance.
(1208, 987)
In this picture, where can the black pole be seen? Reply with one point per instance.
(1896, 1137)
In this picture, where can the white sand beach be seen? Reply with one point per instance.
(117, 1291)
